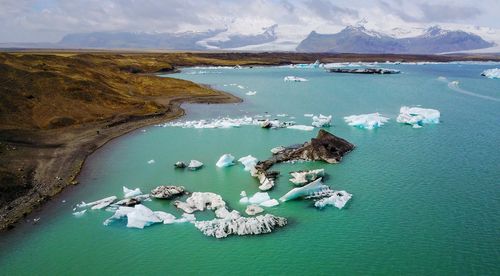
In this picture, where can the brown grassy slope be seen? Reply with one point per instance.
(55, 110)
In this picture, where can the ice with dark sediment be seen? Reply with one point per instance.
(493, 73)
(337, 199)
(199, 201)
(304, 177)
(167, 192)
(307, 190)
(366, 121)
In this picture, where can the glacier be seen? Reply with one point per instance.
(225, 160)
(367, 121)
(493, 73)
(417, 116)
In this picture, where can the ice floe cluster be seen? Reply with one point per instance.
(417, 116)
(368, 121)
(493, 73)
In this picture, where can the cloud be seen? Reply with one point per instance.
(444, 13)
(329, 11)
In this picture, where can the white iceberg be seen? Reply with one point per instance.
(417, 116)
(269, 203)
(141, 216)
(166, 218)
(225, 160)
(98, 204)
(321, 120)
(128, 193)
(338, 199)
(258, 198)
(244, 200)
(151, 161)
(308, 115)
(249, 162)
(304, 177)
(194, 165)
(301, 127)
(221, 228)
(251, 93)
(294, 79)
(310, 189)
(493, 73)
(368, 121)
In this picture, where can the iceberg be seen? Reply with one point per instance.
(258, 198)
(269, 203)
(249, 162)
(338, 199)
(141, 216)
(251, 93)
(493, 73)
(152, 161)
(417, 116)
(304, 177)
(199, 201)
(321, 120)
(128, 193)
(310, 189)
(98, 204)
(186, 218)
(221, 228)
(167, 192)
(252, 210)
(294, 79)
(367, 121)
(80, 213)
(301, 127)
(225, 160)
(166, 218)
(194, 165)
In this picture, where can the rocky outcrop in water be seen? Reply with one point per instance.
(167, 192)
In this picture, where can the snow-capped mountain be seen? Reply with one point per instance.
(357, 39)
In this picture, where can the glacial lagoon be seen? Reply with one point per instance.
(424, 200)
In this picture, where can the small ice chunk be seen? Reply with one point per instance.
(244, 200)
(301, 127)
(194, 165)
(252, 210)
(368, 121)
(493, 73)
(80, 213)
(269, 203)
(258, 198)
(128, 193)
(281, 115)
(225, 160)
(308, 115)
(243, 194)
(248, 161)
(251, 93)
(294, 79)
(165, 217)
(277, 150)
(418, 116)
(314, 187)
(338, 199)
(152, 161)
(321, 120)
(240, 86)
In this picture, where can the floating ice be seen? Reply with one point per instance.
(141, 216)
(199, 201)
(98, 204)
(194, 165)
(214, 123)
(277, 150)
(269, 203)
(493, 73)
(417, 116)
(80, 213)
(253, 210)
(186, 218)
(225, 160)
(338, 199)
(221, 228)
(281, 115)
(249, 162)
(368, 121)
(131, 193)
(294, 79)
(308, 115)
(151, 161)
(301, 127)
(240, 86)
(314, 187)
(304, 177)
(244, 200)
(166, 218)
(321, 120)
(167, 192)
(251, 93)
(316, 64)
(258, 198)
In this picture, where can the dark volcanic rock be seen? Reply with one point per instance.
(325, 147)
(167, 192)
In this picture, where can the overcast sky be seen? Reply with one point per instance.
(50, 20)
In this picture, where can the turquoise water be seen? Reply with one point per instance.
(425, 201)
